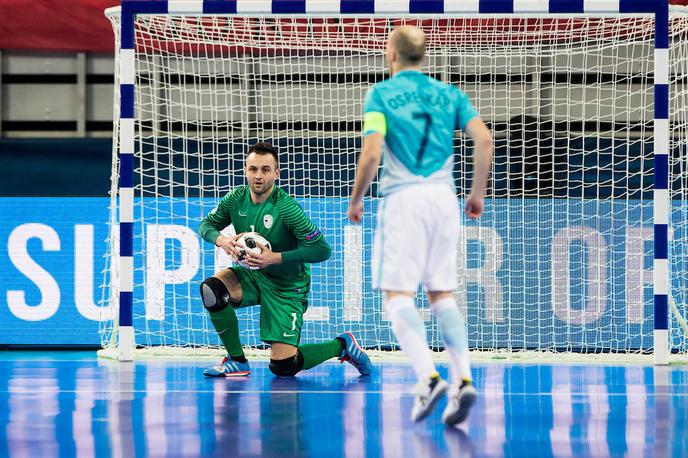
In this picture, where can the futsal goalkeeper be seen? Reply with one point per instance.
(281, 281)
(416, 239)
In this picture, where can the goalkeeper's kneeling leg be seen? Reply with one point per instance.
(215, 295)
(288, 367)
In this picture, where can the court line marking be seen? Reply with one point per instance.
(483, 393)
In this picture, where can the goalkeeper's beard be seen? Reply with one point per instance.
(259, 190)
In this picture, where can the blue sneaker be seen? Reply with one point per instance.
(228, 368)
(354, 354)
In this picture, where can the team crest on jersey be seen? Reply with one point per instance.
(267, 221)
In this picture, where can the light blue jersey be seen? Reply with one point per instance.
(417, 115)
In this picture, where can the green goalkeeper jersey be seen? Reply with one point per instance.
(282, 222)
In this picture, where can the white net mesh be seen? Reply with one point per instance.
(560, 261)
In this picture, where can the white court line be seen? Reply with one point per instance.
(480, 393)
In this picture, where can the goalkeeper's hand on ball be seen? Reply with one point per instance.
(230, 245)
(265, 258)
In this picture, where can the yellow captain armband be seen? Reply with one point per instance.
(374, 121)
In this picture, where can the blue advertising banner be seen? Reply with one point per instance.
(51, 261)
(585, 284)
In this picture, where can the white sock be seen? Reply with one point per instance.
(453, 328)
(410, 332)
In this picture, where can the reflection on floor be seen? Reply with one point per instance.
(71, 404)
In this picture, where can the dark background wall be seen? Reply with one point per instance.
(587, 167)
(55, 167)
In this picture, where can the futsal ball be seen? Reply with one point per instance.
(248, 243)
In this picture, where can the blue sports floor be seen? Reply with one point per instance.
(71, 404)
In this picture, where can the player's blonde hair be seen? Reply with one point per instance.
(409, 43)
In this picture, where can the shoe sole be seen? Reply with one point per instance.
(238, 374)
(465, 403)
(233, 374)
(433, 400)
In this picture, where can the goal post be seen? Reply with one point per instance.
(582, 248)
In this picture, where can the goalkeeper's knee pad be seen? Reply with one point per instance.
(214, 294)
(287, 367)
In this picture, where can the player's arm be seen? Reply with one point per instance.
(482, 161)
(482, 154)
(312, 245)
(374, 131)
(468, 120)
(212, 224)
(218, 219)
(368, 163)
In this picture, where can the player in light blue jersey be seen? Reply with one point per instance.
(408, 124)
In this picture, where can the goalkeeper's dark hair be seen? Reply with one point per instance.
(262, 148)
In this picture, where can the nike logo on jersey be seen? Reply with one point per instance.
(242, 214)
(288, 335)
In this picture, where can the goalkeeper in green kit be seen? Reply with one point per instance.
(278, 280)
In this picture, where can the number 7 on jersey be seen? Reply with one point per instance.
(424, 141)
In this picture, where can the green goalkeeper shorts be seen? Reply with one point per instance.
(281, 307)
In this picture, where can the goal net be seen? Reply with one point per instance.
(561, 260)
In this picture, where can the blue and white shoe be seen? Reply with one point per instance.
(354, 354)
(228, 368)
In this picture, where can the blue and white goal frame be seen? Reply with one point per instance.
(662, 202)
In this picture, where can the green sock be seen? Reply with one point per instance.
(227, 326)
(314, 354)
